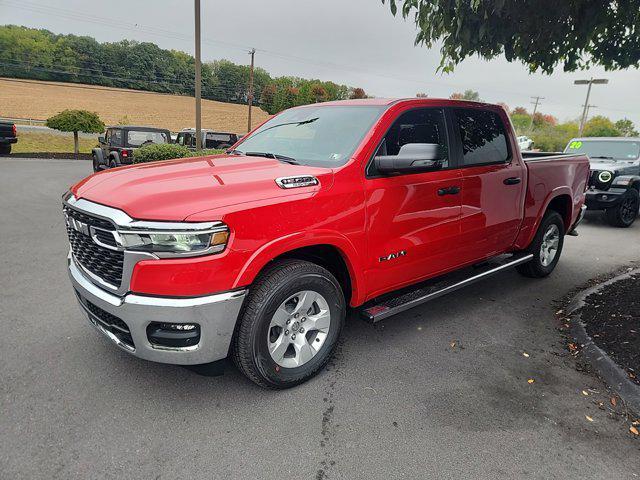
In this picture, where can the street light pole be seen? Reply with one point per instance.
(250, 99)
(198, 79)
(589, 82)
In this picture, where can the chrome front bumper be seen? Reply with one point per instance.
(216, 315)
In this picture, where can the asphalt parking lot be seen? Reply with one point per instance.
(438, 392)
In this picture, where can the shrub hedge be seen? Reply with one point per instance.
(167, 151)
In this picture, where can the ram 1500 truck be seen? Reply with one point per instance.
(374, 205)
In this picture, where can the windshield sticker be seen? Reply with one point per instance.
(575, 145)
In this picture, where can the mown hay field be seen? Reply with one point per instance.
(40, 100)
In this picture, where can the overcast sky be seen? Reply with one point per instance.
(355, 42)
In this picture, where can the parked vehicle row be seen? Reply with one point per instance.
(117, 146)
(376, 205)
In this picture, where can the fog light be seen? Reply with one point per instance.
(605, 197)
(174, 335)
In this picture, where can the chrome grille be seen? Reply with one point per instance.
(102, 262)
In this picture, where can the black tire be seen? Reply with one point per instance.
(536, 268)
(626, 212)
(96, 167)
(249, 348)
(5, 149)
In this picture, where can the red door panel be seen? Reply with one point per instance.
(408, 219)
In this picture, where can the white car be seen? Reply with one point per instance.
(525, 143)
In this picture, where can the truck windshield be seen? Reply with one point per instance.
(315, 135)
(609, 149)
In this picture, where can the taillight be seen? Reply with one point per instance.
(14, 129)
(125, 153)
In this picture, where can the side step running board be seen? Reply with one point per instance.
(440, 286)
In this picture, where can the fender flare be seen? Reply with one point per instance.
(524, 242)
(282, 245)
(627, 182)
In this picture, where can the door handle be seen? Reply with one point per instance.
(454, 190)
(512, 181)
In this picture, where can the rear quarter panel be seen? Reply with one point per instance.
(548, 178)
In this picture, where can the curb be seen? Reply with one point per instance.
(606, 368)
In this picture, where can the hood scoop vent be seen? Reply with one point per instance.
(297, 181)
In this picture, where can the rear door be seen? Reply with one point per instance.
(493, 183)
(413, 222)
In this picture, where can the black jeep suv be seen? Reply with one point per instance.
(615, 176)
(118, 144)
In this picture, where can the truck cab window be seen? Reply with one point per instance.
(422, 125)
(115, 140)
(483, 137)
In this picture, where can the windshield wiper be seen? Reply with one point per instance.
(275, 156)
(234, 152)
(601, 156)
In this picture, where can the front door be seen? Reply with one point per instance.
(493, 184)
(413, 220)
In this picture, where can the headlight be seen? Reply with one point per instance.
(605, 176)
(176, 243)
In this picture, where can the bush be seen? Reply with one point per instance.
(167, 151)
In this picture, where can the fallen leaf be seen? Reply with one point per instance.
(525, 354)
(452, 344)
(559, 312)
(634, 430)
(531, 380)
(588, 418)
(614, 401)
(585, 393)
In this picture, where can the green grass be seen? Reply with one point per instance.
(30, 142)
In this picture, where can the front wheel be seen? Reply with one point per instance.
(546, 247)
(624, 214)
(289, 325)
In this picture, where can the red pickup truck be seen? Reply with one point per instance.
(375, 205)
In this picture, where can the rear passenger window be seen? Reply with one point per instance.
(483, 137)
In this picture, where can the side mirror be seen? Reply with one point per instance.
(412, 158)
(101, 140)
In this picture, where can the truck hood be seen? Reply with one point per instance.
(175, 189)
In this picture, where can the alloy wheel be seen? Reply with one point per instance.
(550, 243)
(298, 329)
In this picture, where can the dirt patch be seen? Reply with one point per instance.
(612, 319)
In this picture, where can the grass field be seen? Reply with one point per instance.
(29, 142)
(40, 100)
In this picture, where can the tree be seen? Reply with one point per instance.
(542, 34)
(357, 93)
(318, 92)
(520, 111)
(76, 121)
(626, 128)
(600, 126)
(471, 95)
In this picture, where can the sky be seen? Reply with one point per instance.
(353, 42)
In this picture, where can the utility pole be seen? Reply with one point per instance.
(198, 82)
(250, 99)
(535, 108)
(589, 82)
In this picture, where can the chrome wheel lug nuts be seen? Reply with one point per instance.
(293, 337)
(296, 315)
(304, 319)
(286, 332)
(302, 330)
(288, 322)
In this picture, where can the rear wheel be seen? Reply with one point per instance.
(546, 247)
(289, 325)
(5, 149)
(625, 213)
